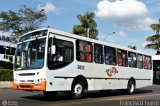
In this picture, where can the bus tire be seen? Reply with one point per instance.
(131, 87)
(49, 94)
(77, 90)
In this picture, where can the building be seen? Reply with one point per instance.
(7, 48)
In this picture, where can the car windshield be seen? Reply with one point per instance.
(30, 54)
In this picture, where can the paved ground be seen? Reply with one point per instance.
(148, 96)
(5, 84)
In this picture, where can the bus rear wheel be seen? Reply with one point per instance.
(77, 90)
(49, 94)
(131, 87)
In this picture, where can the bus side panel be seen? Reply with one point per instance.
(143, 83)
(60, 84)
(90, 84)
(115, 84)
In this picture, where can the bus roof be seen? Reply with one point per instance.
(35, 31)
(67, 34)
(156, 57)
(94, 41)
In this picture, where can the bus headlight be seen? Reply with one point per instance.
(15, 80)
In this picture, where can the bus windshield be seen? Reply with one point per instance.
(31, 54)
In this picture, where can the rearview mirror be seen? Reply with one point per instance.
(53, 49)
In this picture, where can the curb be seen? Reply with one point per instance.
(5, 84)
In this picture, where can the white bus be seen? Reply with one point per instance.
(55, 61)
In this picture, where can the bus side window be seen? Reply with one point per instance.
(88, 52)
(110, 55)
(88, 57)
(147, 62)
(81, 49)
(122, 58)
(84, 51)
(119, 59)
(132, 59)
(139, 61)
(150, 63)
(82, 56)
(98, 53)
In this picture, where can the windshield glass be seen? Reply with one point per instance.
(30, 55)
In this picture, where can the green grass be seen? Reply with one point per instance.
(6, 71)
(6, 65)
(6, 75)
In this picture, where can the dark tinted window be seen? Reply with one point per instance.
(98, 53)
(110, 55)
(132, 59)
(7, 50)
(139, 61)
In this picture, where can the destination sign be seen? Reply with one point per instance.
(33, 35)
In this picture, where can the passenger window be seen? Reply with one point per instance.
(122, 58)
(98, 53)
(147, 62)
(132, 59)
(110, 55)
(84, 51)
(139, 61)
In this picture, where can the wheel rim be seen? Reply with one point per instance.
(131, 87)
(78, 89)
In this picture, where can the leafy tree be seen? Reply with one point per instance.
(22, 21)
(154, 40)
(88, 26)
(132, 47)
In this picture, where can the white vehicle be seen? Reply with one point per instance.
(54, 61)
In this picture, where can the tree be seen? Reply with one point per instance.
(22, 21)
(132, 47)
(88, 27)
(154, 40)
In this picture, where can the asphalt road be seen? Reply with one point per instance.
(148, 96)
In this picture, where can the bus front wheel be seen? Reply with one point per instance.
(49, 94)
(77, 90)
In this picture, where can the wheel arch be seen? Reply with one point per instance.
(82, 79)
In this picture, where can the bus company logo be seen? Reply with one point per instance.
(4, 102)
(111, 72)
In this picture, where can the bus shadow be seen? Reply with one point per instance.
(92, 94)
(118, 93)
(41, 97)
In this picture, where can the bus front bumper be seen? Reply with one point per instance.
(30, 86)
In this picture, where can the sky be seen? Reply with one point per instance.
(129, 19)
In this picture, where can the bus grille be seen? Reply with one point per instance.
(26, 74)
(25, 86)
